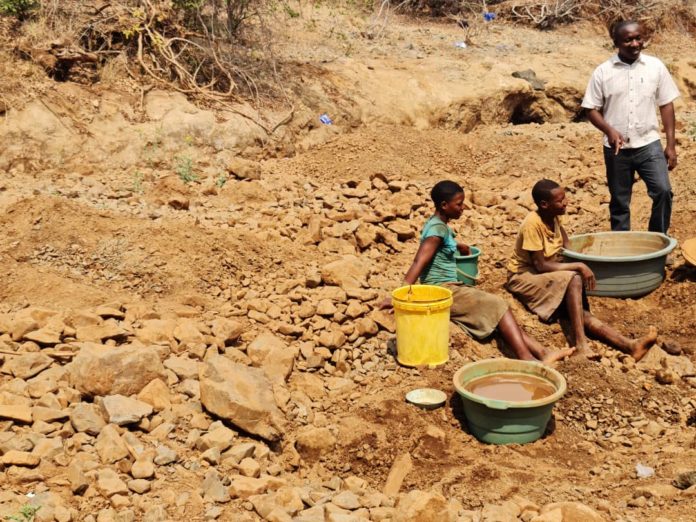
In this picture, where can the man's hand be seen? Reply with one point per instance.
(671, 156)
(588, 277)
(616, 140)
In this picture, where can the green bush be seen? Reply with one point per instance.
(18, 8)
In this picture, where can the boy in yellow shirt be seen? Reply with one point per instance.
(549, 287)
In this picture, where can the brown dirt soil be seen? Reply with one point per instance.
(85, 226)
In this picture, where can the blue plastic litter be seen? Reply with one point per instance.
(488, 16)
(325, 119)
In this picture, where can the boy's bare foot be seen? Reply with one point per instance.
(642, 345)
(551, 357)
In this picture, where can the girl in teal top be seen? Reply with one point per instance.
(477, 312)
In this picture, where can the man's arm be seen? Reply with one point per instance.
(616, 139)
(668, 121)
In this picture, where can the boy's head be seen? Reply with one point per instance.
(549, 197)
(448, 198)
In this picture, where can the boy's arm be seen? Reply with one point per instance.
(544, 265)
(425, 254)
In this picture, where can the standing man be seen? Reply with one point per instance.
(621, 98)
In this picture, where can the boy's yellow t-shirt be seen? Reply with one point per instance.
(534, 236)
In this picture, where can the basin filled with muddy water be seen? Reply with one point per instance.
(625, 264)
(508, 401)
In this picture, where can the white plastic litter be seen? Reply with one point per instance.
(644, 471)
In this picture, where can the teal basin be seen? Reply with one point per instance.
(504, 422)
(625, 264)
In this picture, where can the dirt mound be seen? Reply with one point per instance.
(186, 334)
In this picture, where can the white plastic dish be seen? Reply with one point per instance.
(426, 398)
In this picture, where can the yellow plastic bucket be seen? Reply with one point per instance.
(422, 324)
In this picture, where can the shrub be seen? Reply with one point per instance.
(18, 8)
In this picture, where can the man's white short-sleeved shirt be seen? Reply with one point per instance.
(628, 96)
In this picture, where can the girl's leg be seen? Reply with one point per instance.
(523, 345)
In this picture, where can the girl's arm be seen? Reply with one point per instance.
(425, 254)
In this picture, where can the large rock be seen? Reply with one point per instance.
(103, 370)
(349, 273)
(424, 506)
(242, 395)
(273, 355)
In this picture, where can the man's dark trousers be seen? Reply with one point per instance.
(650, 163)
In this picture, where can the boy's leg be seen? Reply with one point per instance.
(652, 168)
(573, 302)
(636, 348)
(620, 183)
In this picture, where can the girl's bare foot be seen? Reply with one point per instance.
(584, 350)
(642, 345)
(551, 357)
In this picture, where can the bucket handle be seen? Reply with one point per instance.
(474, 278)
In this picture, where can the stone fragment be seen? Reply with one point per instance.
(122, 410)
(574, 512)
(110, 484)
(143, 468)
(139, 486)
(424, 506)
(41, 413)
(220, 437)
(212, 489)
(245, 487)
(227, 330)
(239, 452)
(273, 355)
(20, 458)
(401, 467)
(156, 394)
(110, 446)
(188, 332)
(349, 272)
(87, 418)
(44, 336)
(248, 467)
(17, 413)
(77, 478)
(27, 365)
(183, 367)
(98, 333)
(506, 511)
(313, 442)
(346, 500)
(102, 370)
(241, 395)
(165, 455)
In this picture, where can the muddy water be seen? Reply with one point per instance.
(514, 387)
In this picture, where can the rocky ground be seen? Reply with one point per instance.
(186, 334)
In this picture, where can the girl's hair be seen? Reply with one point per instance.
(444, 191)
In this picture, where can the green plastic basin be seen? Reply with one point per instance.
(504, 422)
(625, 264)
